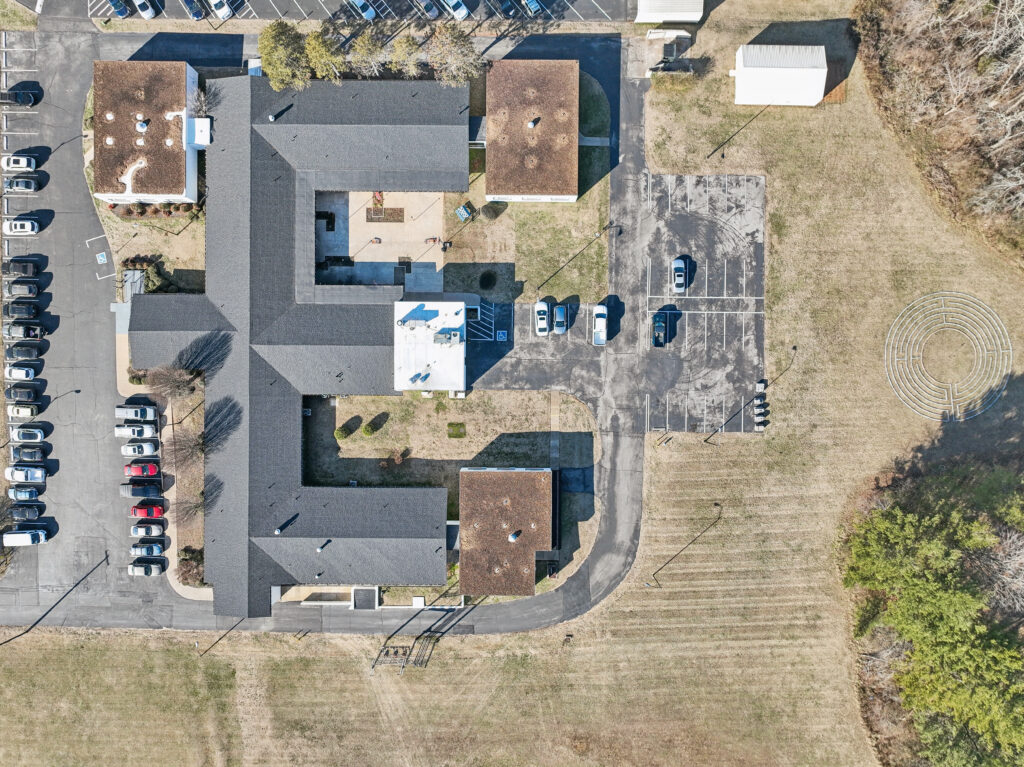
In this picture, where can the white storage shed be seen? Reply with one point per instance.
(784, 75)
(660, 11)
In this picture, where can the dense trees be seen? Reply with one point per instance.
(451, 54)
(917, 560)
(283, 51)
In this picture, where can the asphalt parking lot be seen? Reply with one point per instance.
(704, 378)
(389, 10)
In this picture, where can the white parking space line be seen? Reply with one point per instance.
(278, 12)
(601, 10)
(574, 11)
(251, 10)
(304, 14)
(329, 14)
(549, 13)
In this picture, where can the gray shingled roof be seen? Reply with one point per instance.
(275, 341)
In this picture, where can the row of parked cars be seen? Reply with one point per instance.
(546, 321)
(508, 8)
(146, 9)
(23, 354)
(140, 427)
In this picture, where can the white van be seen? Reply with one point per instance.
(24, 537)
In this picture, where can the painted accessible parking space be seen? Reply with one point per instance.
(703, 237)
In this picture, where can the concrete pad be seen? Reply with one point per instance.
(423, 219)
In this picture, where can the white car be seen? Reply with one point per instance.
(33, 475)
(22, 411)
(135, 412)
(458, 9)
(145, 9)
(19, 373)
(20, 227)
(542, 318)
(135, 430)
(365, 9)
(222, 9)
(679, 274)
(15, 163)
(138, 449)
(26, 434)
(146, 568)
(147, 531)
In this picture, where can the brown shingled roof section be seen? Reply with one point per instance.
(543, 160)
(125, 89)
(493, 504)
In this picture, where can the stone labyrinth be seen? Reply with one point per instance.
(952, 322)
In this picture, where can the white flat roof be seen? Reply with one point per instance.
(430, 346)
(657, 11)
(783, 56)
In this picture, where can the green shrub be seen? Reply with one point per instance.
(342, 432)
(368, 429)
(456, 430)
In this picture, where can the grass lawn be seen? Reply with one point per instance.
(15, 16)
(538, 249)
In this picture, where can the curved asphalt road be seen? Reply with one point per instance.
(79, 578)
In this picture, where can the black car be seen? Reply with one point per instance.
(19, 98)
(20, 184)
(27, 453)
(509, 9)
(25, 513)
(21, 352)
(658, 327)
(141, 490)
(195, 10)
(20, 393)
(20, 310)
(14, 268)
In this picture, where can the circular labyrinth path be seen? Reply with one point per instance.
(948, 356)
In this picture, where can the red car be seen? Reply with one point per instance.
(141, 469)
(147, 511)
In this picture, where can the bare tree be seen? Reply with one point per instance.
(188, 447)
(204, 100)
(451, 54)
(171, 381)
(1001, 568)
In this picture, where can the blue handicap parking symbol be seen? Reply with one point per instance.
(101, 258)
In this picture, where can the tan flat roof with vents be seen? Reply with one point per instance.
(494, 504)
(123, 90)
(542, 160)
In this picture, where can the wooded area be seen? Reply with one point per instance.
(950, 74)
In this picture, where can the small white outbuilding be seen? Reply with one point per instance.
(783, 75)
(662, 11)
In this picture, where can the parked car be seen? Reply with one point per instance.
(429, 8)
(541, 318)
(24, 330)
(147, 510)
(20, 184)
(135, 413)
(600, 335)
(22, 411)
(560, 326)
(146, 568)
(17, 268)
(658, 326)
(19, 373)
(458, 9)
(138, 449)
(20, 310)
(508, 9)
(27, 454)
(145, 469)
(533, 7)
(25, 434)
(16, 163)
(24, 537)
(135, 430)
(34, 475)
(20, 289)
(19, 393)
(146, 550)
(21, 98)
(364, 9)
(120, 9)
(222, 9)
(146, 531)
(194, 9)
(679, 274)
(145, 10)
(21, 352)
(22, 493)
(141, 490)
(20, 227)
(26, 512)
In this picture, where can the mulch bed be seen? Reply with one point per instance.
(390, 215)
